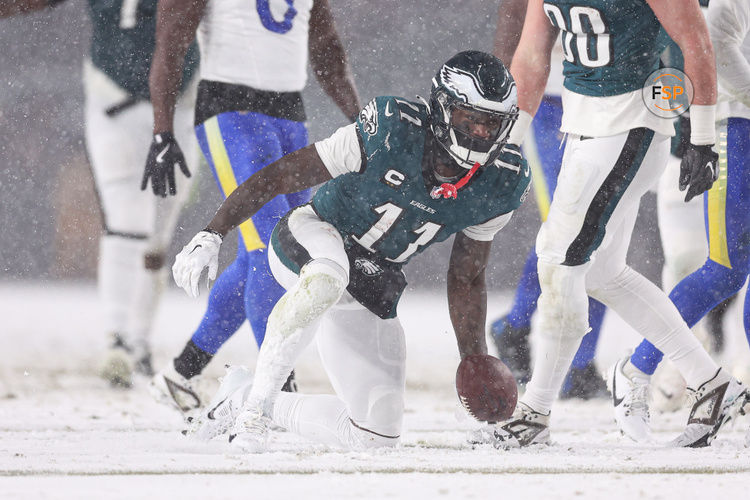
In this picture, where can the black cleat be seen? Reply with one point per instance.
(513, 348)
(584, 383)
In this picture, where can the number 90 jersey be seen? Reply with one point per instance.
(610, 47)
(379, 198)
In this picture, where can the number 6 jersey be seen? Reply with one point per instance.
(379, 197)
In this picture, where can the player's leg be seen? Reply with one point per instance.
(684, 246)
(235, 145)
(716, 389)
(510, 333)
(727, 228)
(364, 357)
(599, 188)
(307, 257)
(152, 282)
(583, 379)
(117, 160)
(273, 138)
(542, 149)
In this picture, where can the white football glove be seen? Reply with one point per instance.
(201, 252)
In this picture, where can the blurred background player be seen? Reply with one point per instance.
(249, 113)
(543, 149)
(727, 204)
(615, 152)
(137, 226)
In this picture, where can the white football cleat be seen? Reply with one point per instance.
(226, 405)
(171, 388)
(250, 430)
(715, 403)
(524, 428)
(630, 399)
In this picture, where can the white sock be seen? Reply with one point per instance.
(322, 418)
(120, 262)
(650, 312)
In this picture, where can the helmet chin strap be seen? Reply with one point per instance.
(448, 190)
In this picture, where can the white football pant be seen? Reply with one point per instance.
(137, 223)
(363, 355)
(582, 250)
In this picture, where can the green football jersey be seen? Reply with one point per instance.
(387, 207)
(122, 43)
(610, 46)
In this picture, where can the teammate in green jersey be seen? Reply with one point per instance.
(402, 177)
(615, 151)
(138, 227)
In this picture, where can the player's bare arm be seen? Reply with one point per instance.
(510, 16)
(294, 172)
(328, 60)
(684, 22)
(467, 293)
(531, 61)
(176, 22)
(9, 8)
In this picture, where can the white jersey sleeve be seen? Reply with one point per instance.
(486, 230)
(729, 25)
(341, 153)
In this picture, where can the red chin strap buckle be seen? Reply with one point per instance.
(448, 190)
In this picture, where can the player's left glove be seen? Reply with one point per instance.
(511, 158)
(698, 170)
(163, 156)
(201, 252)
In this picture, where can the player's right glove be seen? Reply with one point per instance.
(163, 156)
(201, 252)
(698, 170)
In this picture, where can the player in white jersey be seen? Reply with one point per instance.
(137, 226)
(616, 150)
(249, 112)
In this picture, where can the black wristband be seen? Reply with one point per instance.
(217, 233)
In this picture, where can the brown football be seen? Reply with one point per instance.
(486, 387)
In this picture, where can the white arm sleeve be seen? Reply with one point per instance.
(341, 153)
(486, 230)
(729, 24)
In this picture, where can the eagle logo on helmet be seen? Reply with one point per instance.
(467, 87)
(455, 79)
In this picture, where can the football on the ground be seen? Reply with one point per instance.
(486, 388)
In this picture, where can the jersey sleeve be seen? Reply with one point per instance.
(342, 152)
(486, 230)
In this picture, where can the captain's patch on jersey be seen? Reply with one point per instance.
(369, 118)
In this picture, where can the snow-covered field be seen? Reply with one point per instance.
(65, 434)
